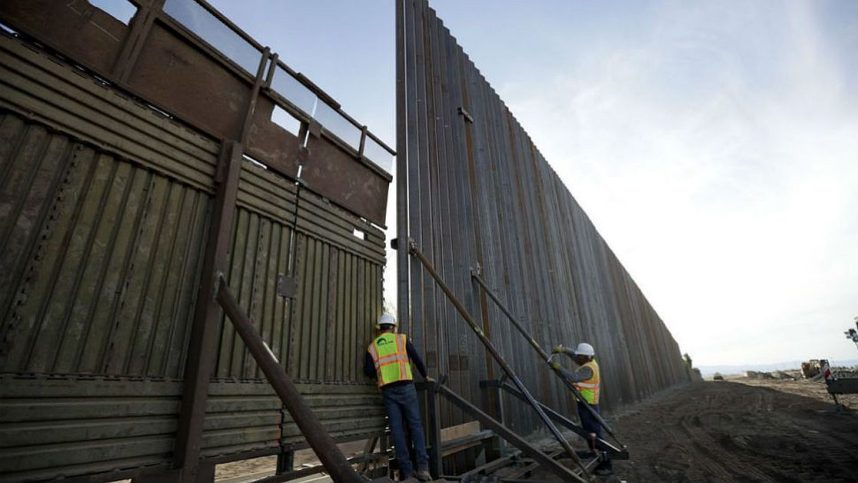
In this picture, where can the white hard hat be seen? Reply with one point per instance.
(585, 349)
(386, 319)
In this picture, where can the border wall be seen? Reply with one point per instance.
(139, 158)
(480, 196)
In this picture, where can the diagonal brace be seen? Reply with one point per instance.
(566, 474)
(542, 353)
(318, 438)
(413, 250)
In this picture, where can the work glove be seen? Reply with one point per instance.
(555, 365)
(557, 349)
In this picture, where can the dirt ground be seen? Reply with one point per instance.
(741, 430)
(249, 470)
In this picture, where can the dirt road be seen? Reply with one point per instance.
(741, 430)
(738, 430)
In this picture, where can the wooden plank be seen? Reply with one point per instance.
(459, 431)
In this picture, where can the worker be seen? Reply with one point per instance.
(388, 359)
(586, 380)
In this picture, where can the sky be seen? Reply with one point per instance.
(713, 144)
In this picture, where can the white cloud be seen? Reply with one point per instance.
(719, 158)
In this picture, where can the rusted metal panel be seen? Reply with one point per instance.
(480, 194)
(123, 312)
(95, 250)
(266, 140)
(196, 66)
(106, 203)
(47, 89)
(175, 74)
(336, 175)
(76, 28)
(72, 426)
(79, 425)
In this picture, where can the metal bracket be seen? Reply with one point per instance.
(286, 286)
(476, 270)
(466, 114)
(315, 128)
(220, 278)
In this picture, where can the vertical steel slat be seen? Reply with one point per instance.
(423, 231)
(402, 196)
(113, 348)
(235, 262)
(199, 244)
(246, 365)
(276, 303)
(482, 192)
(244, 291)
(317, 317)
(269, 328)
(143, 318)
(45, 291)
(285, 307)
(348, 340)
(334, 337)
(478, 363)
(298, 268)
(167, 288)
(443, 197)
(176, 282)
(346, 303)
(12, 267)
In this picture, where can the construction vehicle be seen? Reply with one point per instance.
(840, 385)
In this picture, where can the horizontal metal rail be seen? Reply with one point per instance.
(413, 250)
(543, 354)
(318, 438)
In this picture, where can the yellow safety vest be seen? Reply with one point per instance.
(390, 356)
(589, 388)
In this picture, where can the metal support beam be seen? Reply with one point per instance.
(403, 301)
(285, 462)
(433, 427)
(615, 452)
(412, 248)
(139, 32)
(566, 474)
(543, 354)
(322, 443)
(202, 350)
(201, 353)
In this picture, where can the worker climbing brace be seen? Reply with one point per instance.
(388, 360)
(586, 379)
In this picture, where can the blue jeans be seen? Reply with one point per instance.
(592, 425)
(588, 421)
(402, 408)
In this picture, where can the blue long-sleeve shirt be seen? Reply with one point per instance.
(413, 355)
(581, 374)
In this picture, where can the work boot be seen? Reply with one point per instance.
(423, 475)
(605, 468)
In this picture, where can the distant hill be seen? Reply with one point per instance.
(777, 366)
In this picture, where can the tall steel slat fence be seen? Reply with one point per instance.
(480, 195)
